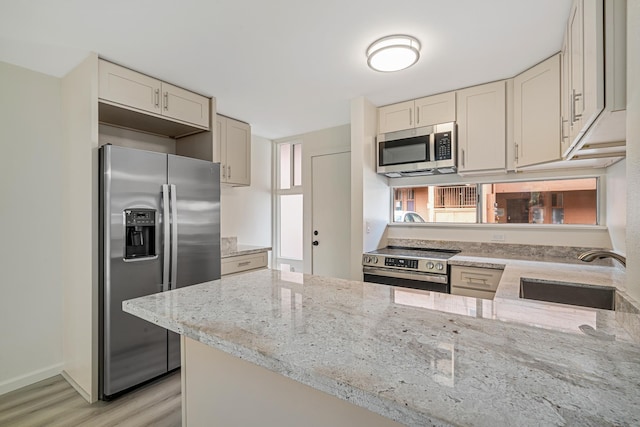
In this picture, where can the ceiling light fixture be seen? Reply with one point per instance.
(393, 53)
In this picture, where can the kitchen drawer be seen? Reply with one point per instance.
(466, 292)
(483, 279)
(242, 263)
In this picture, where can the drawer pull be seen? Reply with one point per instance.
(244, 263)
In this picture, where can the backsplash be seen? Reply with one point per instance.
(228, 245)
(565, 254)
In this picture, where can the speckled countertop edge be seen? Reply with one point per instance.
(246, 250)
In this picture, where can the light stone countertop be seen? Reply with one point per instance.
(422, 358)
(245, 250)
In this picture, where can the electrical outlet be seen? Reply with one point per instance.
(498, 237)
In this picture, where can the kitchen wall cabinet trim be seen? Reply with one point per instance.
(481, 113)
(420, 112)
(129, 90)
(537, 122)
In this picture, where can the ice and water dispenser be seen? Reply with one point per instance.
(140, 234)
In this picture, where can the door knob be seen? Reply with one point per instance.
(315, 243)
(315, 232)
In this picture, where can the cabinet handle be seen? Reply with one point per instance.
(562, 135)
(410, 117)
(229, 171)
(224, 171)
(166, 101)
(244, 263)
(463, 159)
(157, 98)
(418, 115)
(517, 147)
(574, 98)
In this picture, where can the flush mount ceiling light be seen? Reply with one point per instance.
(393, 53)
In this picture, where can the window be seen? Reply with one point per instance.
(560, 201)
(289, 207)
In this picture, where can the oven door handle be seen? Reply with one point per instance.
(414, 275)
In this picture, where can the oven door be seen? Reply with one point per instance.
(413, 279)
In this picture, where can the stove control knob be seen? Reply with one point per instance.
(439, 266)
(430, 265)
(374, 259)
(367, 259)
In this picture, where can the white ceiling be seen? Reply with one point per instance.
(286, 66)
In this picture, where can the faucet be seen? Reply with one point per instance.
(589, 256)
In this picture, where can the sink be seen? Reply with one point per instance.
(568, 293)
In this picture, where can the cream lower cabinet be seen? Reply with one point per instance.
(481, 115)
(234, 138)
(474, 281)
(426, 111)
(242, 263)
(536, 114)
(132, 90)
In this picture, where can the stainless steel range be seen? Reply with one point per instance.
(425, 269)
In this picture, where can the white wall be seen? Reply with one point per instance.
(369, 211)
(633, 149)
(616, 187)
(31, 224)
(245, 212)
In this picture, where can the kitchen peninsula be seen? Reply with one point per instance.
(276, 346)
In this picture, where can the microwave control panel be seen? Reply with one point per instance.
(443, 146)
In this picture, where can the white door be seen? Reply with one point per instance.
(331, 214)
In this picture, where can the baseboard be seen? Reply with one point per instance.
(30, 378)
(75, 385)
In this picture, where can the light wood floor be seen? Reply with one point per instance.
(53, 402)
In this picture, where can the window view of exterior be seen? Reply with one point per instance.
(565, 201)
(289, 205)
(569, 201)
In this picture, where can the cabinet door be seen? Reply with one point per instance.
(238, 152)
(536, 113)
(481, 113)
(396, 117)
(565, 139)
(186, 106)
(436, 109)
(576, 69)
(221, 136)
(128, 88)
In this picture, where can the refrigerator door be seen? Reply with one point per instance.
(131, 349)
(195, 186)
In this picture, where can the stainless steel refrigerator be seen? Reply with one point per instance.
(159, 230)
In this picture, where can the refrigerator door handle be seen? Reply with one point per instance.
(174, 237)
(166, 250)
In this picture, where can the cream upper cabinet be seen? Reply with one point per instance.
(565, 113)
(536, 113)
(425, 111)
(234, 138)
(481, 112)
(585, 67)
(436, 109)
(132, 90)
(184, 105)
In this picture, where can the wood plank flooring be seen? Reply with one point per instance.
(53, 402)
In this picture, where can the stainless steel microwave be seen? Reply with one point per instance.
(420, 151)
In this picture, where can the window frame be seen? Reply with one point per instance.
(600, 178)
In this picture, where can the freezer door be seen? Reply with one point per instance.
(195, 186)
(132, 350)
